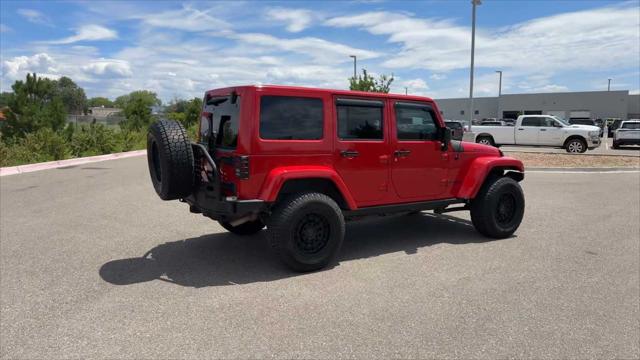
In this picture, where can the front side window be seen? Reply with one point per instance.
(291, 118)
(415, 122)
(360, 120)
(531, 121)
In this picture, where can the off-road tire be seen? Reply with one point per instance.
(579, 144)
(486, 213)
(486, 140)
(292, 231)
(170, 160)
(247, 228)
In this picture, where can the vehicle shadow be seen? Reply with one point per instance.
(227, 259)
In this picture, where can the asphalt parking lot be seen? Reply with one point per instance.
(94, 265)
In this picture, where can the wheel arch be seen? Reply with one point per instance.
(574, 136)
(287, 180)
(484, 168)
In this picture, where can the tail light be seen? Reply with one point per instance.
(242, 167)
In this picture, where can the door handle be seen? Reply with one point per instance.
(402, 153)
(520, 129)
(543, 129)
(350, 154)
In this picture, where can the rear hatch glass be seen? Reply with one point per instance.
(220, 122)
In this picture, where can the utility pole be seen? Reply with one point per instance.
(609, 86)
(355, 72)
(473, 48)
(406, 90)
(499, 83)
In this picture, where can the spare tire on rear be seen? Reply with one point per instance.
(170, 159)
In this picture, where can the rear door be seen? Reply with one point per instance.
(362, 148)
(527, 132)
(550, 133)
(419, 166)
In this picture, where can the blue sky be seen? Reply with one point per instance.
(181, 49)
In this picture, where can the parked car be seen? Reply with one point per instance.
(586, 122)
(627, 134)
(302, 161)
(541, 130)
(457, 129)
(614, 125)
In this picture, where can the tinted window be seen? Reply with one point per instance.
(290, 118)
(453, 125)
(531, 121)
(547, 122)
(225, 120)
(415, 123)
(359, 122)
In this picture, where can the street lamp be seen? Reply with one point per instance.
(406, 90)
(609, 86)
(499, 83)
(473, 48)
(354, 65)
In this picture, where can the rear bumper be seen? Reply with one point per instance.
(203, 201)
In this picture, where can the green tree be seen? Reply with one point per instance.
(72, 96)
(137, 109)
(33, 105)
(4, 99)
(366, 82)
(100, 101)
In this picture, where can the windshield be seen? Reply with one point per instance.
(561, 120)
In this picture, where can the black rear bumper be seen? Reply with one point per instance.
(207, 198)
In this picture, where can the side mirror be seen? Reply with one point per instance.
(445, 138)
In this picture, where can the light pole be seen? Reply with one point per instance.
(473, 48)
(406, 90)
(354, 65)
(499, 83)
(609, 85)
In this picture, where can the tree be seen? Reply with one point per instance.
(4, 99)
(366, 82)
(100, 101)
(72, 96)
(33, 105)
(137, 108)
(186, 112)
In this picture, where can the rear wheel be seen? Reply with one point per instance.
(170, 160)
(485, 140)
(498, 209)
(306, 231)
(247, 228)
(576, 146)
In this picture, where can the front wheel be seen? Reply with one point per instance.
(306, 231)
(247, 228)
(576, 146)
(485, 140)
(498, 208)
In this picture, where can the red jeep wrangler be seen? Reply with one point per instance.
(303, 161)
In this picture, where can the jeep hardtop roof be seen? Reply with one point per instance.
(310, 90)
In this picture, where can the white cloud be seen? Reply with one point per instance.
(296, 19)
(17, 66)
(186, 19)
(108, 67)
(34, 16)
(318, 49)
(4, 28)
(570, 41)
(435, 76)
(88, 33)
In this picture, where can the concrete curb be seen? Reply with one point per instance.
(582, 170)
(568, 154)
(13, 170)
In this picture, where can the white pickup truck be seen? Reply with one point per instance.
(627, 134)
(541, 130)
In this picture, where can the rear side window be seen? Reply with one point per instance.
(291, 118)
(415, 122)
(360, 119)
(531, 121)
(631, 125)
